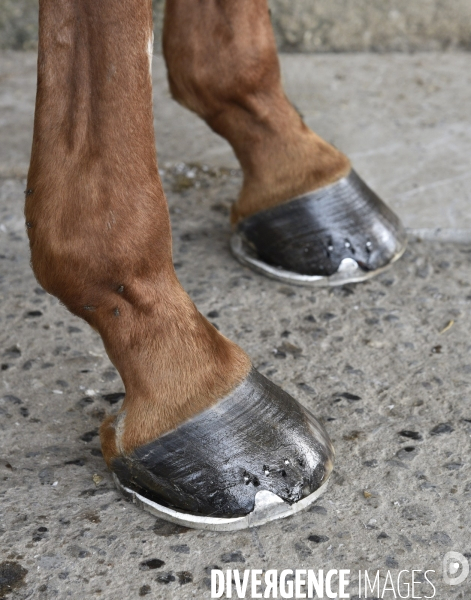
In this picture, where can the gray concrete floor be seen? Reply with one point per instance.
(400, 344)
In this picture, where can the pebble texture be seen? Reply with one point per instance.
(385, 365)
(307, 26)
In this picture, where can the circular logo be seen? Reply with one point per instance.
(455, 568)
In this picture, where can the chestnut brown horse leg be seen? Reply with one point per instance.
(98, 222)
(100, 241)
(222, 64)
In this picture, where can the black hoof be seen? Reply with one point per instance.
(337, 234)
(254, 456)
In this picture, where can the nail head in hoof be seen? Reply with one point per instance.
(255, 456)
(339, 234)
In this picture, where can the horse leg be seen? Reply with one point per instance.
(100, 241)
(222, 64)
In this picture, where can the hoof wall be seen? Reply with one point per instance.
(339, 234)
(255, 456)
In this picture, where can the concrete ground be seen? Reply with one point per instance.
(385, 364)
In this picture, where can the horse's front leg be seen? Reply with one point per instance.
(200, 432)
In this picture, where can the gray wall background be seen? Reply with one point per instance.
(313, 25)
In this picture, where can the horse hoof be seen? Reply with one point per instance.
(255, 456)
(341, 233)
